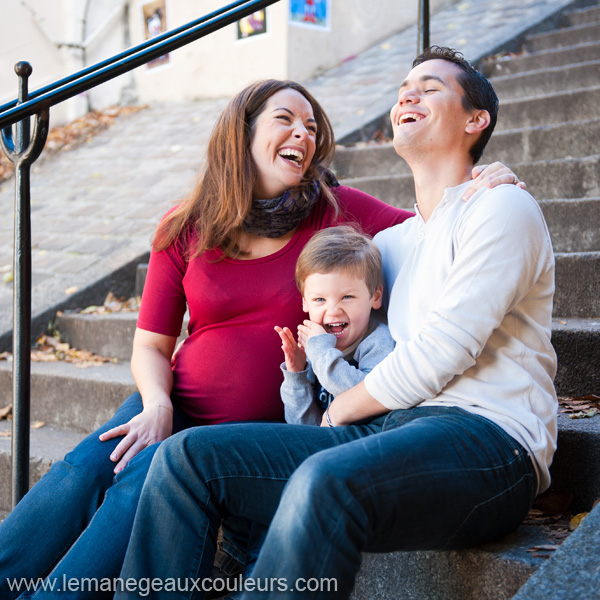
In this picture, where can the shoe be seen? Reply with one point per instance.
(226, 568)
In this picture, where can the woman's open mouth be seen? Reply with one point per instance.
(294, 156)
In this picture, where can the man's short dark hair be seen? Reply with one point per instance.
(479, 93)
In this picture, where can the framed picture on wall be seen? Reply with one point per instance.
(315, 14)
(154, 22)
(252, 25)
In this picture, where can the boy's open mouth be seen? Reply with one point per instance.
(336, 328)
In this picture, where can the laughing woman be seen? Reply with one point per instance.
(226, 254)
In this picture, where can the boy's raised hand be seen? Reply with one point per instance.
(295, 357)
(307, 330)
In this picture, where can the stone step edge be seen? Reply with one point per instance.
(492, 571)
(351, 181)
(524, 74)
(593, 25)
(536, 53)
(564, 96)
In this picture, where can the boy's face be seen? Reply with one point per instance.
(341, 303)
(429, 115)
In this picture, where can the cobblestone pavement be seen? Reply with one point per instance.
(94, 208)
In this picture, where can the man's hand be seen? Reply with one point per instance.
(295, 357)
(307, 330)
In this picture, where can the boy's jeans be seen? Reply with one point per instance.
(423, 478)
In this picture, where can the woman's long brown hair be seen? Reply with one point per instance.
(222, 199)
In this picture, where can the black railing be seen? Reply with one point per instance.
(24, 150)
(423, 26)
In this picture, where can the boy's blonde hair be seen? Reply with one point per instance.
(344, 249)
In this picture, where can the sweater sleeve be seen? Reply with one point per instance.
(501, 249)
(297, 394)
(335, 373)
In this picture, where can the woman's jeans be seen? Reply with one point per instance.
(422, 478)
(59, 519)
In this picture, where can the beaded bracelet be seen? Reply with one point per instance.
(328, 418)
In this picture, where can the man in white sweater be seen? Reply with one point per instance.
(447, 441)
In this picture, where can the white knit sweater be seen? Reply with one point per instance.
(470, 310)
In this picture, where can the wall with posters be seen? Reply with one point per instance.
(217, 65)
(293, 39)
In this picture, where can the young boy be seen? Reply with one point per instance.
(340, 279)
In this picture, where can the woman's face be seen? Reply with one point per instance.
(283, 144)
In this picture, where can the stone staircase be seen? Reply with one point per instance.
(548, 132)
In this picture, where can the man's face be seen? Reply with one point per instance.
(429, 116)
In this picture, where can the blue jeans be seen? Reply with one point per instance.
(423, 478)
(59, 527)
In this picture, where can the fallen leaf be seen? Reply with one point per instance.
(5, 412)
(547, 547)
(38, 424)
(575, 522)
(5, 433)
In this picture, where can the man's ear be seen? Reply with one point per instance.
(377, 297)
(478, 121)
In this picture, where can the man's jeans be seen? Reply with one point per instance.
(423, 478)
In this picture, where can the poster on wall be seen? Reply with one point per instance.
(254, 24)
(154, 22)
(315, 14)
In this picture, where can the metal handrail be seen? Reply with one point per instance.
(23, 152)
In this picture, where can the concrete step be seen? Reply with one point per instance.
(573, 224)
(546, 81)
(581, 16)
(572, 571)
(568, 36)
(107, 335)
(577, 345)
(73, 398)
(577, 285)
(553, 57)
(546, 180)
(48, 444)
(576, 464)
(560, 107)
(490, 572)
(574, 139)
(562, 178)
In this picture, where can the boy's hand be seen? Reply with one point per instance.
(307, 330)
(295, 357)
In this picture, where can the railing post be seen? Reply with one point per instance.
(423, 26)
(22, 153)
